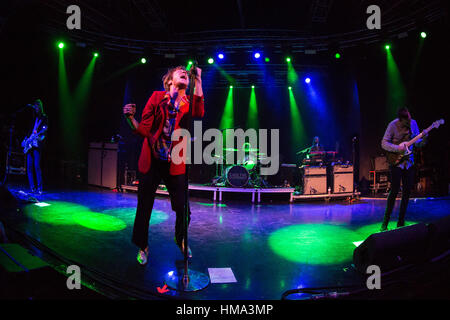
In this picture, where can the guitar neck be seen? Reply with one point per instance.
(419, 136)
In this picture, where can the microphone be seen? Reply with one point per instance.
(193, 70)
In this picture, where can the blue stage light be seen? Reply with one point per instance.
(307, 80)
(257, 55)
(220, 56)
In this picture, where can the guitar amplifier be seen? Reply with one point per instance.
(315, 184)
(314, 170)
(381, 163)
(314, 180)
(342, 178)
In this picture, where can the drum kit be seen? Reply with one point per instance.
(247, 173)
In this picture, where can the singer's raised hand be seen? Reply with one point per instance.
(198, 82)
(198, 77)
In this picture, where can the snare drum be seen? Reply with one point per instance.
(237, 176)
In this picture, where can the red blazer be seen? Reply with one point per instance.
(151, 125)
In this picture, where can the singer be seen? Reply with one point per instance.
(164, 112)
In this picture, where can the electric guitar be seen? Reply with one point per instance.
(394, 158)
(32, 140)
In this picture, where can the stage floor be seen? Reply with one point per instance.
(269, 247)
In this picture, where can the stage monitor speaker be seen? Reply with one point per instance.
(3, 238)
(392, 249)
(439, 237)
(7, 200)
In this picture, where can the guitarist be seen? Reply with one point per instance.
(34, 153)
(400, 130)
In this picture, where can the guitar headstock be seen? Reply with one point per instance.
(437, 123)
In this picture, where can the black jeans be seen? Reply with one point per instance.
(148, 184)
(34, 166)
(406, 176)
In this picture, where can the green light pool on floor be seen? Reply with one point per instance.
(69, 213)
(315, 244)
(128, 214)
(98, 221)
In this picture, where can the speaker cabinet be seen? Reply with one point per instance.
(392, 249)
(315, 184)
(103, 164)
(314, 180)
(439, 242)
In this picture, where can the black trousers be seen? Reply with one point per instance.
(148, 184)
(34, 167)
(406, 176)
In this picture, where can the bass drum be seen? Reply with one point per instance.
(237, 176)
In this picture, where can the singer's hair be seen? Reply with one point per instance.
(169, 75)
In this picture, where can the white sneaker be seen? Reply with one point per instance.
(142, 256)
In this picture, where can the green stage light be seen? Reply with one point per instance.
(231, 87)
(290, 88)
(337, 55)
(143, 60)
(396, 93)
(190, 62)
(252, 114)
(61, 45)
(267, 59)
(210, 60)
(423, 35)
(288, 59)
(96, 54)
(387, 47)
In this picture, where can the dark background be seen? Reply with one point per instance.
(351, 90)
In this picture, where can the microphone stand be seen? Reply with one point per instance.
(187, 280)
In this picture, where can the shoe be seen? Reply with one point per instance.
(400, 225)
(384, 228)
(142, 256)
(182, 249)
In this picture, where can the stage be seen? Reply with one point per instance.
(269, 247)
(256, 193)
